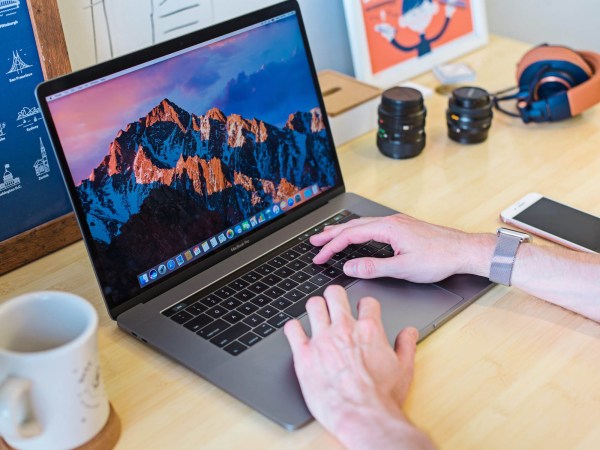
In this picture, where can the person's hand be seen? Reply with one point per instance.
(450, 10)
(386, 30)
(352, 380)
(423, 252)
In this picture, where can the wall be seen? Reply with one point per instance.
(572, 23)
(96, 30)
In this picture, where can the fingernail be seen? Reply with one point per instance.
(350, 268)
(414, 333)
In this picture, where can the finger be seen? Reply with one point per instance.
(318, 315)
(369, 308)
(360, 234)
(375, 267)
(337, 303)
(406, 347)
(296, 335)
(333, 230)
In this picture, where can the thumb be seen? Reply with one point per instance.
(406, 347)
(372, 267)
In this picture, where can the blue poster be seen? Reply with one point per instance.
(31, 187)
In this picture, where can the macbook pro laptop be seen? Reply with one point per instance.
(198, 169)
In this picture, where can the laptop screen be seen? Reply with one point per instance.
(177, 157)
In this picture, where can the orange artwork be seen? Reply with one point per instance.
(399, 30)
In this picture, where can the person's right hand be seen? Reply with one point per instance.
(423, 252)
(386, 30)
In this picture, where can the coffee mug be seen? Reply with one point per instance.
(51, 392)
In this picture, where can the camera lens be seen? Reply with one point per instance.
(469, 115)
(401, 123)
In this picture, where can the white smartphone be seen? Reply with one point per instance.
(555, 221)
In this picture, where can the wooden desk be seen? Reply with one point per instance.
(511, 371)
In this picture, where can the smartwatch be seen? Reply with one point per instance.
(503, 259)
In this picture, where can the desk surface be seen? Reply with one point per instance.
(511, 371)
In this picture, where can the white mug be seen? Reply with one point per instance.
(51, 392)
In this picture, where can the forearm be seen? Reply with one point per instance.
(564, 277)
(380, 428)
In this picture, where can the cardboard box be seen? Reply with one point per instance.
(351, 105)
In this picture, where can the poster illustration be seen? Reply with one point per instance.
(31, 187)
(412, 34)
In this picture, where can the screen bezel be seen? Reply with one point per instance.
(125, 62)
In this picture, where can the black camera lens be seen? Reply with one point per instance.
(401, 123)
(469, 115)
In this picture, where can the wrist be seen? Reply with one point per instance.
(479, 251)
(379, 426)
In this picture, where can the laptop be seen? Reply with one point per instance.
(198, 169)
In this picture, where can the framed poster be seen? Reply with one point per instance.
(392, 40)
(36, 216)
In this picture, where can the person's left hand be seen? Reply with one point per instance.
(450, 10)
(349, 374)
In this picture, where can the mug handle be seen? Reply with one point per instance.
(17, 419)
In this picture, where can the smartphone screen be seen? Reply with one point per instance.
(564, 222)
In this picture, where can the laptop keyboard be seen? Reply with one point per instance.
(251, 304)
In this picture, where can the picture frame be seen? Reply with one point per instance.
(60, 227)
(393, 40)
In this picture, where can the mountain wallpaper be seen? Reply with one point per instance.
(222, 132)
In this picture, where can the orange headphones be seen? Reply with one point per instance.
(555, 83)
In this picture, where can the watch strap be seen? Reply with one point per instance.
(504, 256)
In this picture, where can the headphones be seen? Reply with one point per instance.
(555, 83)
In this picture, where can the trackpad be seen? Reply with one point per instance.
(403, 303)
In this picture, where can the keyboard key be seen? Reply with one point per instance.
(268, 311)
(382, 254)
(251, 277)
(281, 303)
(278, 262)
(224, 292)
(307, 287)
(230, 303)
(210, 300)
(230, 335)
(279, 320)
(244, 295)
(248, 308)
(307, 259)
(250, 339)
(284, 272)
(264, 330)
(294, 295)
(196, 308)
(182, 317)
(296, 265)
(377, 245)
(233, 316)
(332, 272)
(271, 280)
(265, 269)
(290, 255)
(178, 307)
(298, 308)
(261, 300)
(302, 247)
(258, 287)
(235, 348)
(198, 323)
(238, 284)
(320, 279)
(300, 277)
(253, 320)
(217, 311)
(274, 292)
(343, 280)
(287, 285)
(213, 329)
(312, 269)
